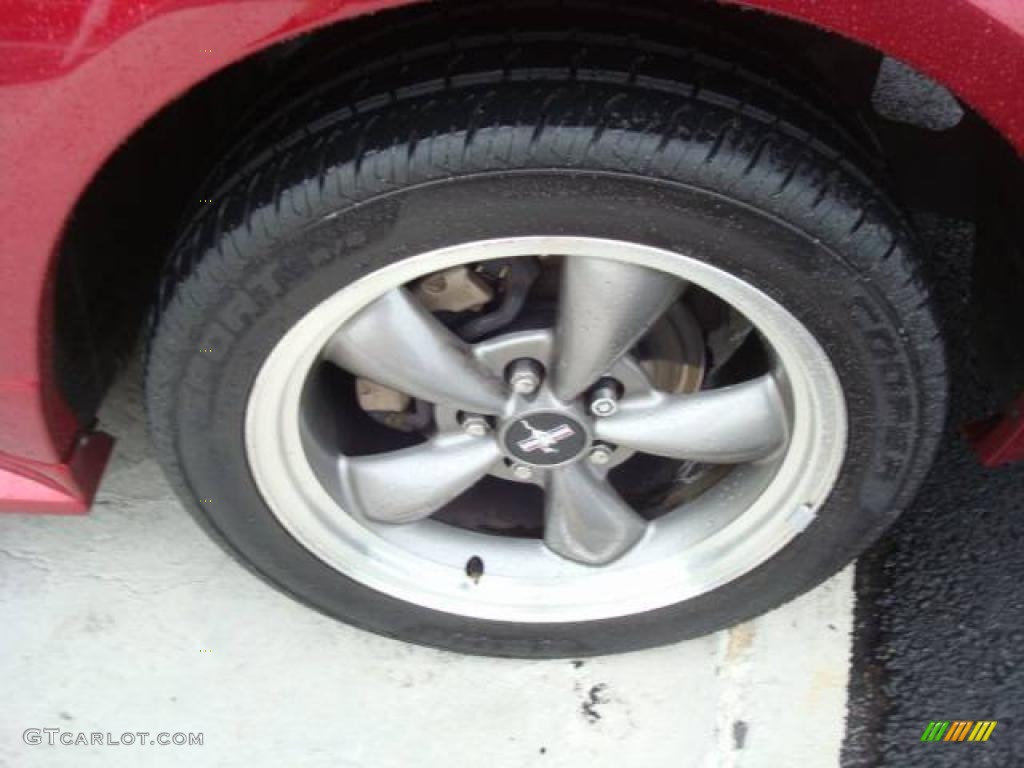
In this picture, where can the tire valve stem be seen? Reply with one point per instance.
(475, 568)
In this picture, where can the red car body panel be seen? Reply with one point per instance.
(79, 77)
(999, 440)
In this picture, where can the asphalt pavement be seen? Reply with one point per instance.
(939, 629)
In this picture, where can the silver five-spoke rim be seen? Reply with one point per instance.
(556, 406)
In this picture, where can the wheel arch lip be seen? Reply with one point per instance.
(141, 56)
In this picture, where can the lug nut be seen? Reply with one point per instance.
(604, 401)
(522, 471)
(524, 376)
(477, 426)
(600, 455)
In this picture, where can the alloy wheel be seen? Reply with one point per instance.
(561, 406)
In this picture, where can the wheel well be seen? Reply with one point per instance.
(122, 229)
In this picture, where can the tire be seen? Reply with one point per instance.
(372, 170)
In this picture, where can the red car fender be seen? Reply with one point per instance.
(79, 77)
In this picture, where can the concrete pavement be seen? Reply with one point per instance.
(130, 620)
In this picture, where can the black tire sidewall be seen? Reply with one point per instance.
(282, 278)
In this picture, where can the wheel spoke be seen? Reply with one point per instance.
(396, 342)
(412, 483)
(743, 422)
(606, 306)
(585, 519)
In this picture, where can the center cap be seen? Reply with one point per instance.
(545, 438)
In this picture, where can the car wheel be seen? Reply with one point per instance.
(542, 360)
